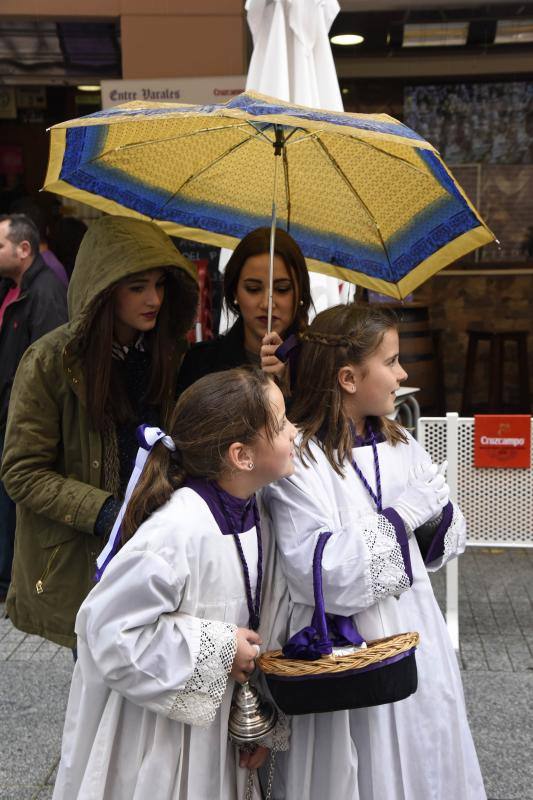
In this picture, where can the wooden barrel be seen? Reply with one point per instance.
(420, 357)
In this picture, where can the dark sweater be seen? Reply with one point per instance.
(135, 373)
(215, 355)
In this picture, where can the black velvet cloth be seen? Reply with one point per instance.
(317, 695)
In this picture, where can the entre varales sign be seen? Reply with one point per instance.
(199, 91)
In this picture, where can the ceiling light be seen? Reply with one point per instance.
(514, 31)
(347, 39)
(88, 87)
(439, 34)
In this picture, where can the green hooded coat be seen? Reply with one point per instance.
(52, 464)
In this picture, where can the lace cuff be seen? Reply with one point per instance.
(449, 539)
(198, 701)
(390, 566)
(278, 738)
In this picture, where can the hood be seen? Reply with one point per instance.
(115, 247)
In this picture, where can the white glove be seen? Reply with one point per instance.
(425, 495)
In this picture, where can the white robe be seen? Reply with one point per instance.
(417, 749)
(147, 716)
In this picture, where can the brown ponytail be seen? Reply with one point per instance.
(213, 413)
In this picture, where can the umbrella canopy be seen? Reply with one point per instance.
(365, 197)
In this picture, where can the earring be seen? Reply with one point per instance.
(251, 465)
(235, 302)
(301, 302)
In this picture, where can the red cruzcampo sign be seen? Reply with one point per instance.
(502, 440)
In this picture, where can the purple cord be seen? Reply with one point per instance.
(254, 605)
(377, 498)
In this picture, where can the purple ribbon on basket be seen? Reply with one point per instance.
(326, 630)
(147, 436)
(307, 643)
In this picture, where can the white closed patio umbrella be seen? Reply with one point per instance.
(292, 60)
(292, 56)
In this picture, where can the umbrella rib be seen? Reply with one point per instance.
(287, 188)
(207, 167)
(291, 134)
(285, 141)
(324, 150)
(308, 135)
(133, 145)
(386, 153)
(316, 134)
(260, 132)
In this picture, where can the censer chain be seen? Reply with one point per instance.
(249, 795)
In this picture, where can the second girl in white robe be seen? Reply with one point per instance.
(417, 749)
(370, 499)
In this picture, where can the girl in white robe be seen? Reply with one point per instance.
(367, 481)
(170, 626)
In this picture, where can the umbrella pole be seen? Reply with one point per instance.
(278, 146)
(272, 246)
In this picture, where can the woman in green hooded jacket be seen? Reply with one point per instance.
(78, 396)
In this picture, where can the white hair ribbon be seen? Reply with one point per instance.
(147, 437)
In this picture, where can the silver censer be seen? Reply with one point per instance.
(251, 717)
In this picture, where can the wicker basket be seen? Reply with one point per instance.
(383, 672)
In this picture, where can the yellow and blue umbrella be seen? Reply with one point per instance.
(366, 198)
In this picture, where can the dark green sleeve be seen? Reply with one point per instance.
(32, 446)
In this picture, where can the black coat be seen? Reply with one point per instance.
(214, 355)
(40, 307)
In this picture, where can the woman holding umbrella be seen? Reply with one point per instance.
(246, 286)
(78, 396)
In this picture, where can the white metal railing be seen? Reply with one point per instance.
(497, 503)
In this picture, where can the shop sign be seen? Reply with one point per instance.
(502, 440)
(8, 103)
(173, 90)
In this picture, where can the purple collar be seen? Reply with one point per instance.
(366, 440)
(234, 516)
(239, 513)
(371, 434)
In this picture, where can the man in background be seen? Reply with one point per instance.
(27, 206)
(32, 302)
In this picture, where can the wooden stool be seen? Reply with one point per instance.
(495, 391)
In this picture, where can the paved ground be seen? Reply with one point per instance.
(496, 622)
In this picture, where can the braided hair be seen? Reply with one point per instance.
(342, 335)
